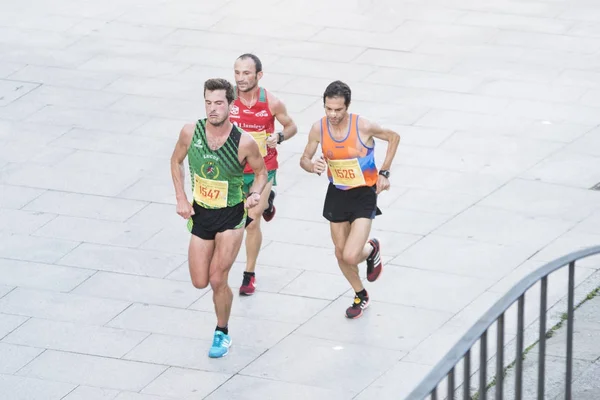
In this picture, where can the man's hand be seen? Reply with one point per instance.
(252, 200)
(272, 140)
(184, 209)
(319, 166)
(383, 183)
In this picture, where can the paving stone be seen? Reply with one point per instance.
(85, 206)
(131, 261)
(61, 306)
(8, 323)
(139, 289)
(91, 393)
(41, 276)
(185, 383)
(191, 353)
(32, 389)
(93, 371)
(16, 357)
(75, 337)
(313, 357)
(36, 249)
(247, 387)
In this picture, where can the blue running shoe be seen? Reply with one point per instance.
(220, 345)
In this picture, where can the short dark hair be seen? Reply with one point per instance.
(338, 89)
(220, 84)
(254, 58)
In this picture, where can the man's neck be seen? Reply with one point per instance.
(221, 130)
(250, 96)
(340, 130)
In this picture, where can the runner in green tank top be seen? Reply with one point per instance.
(217, 154)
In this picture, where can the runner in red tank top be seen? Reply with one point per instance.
(255, 111)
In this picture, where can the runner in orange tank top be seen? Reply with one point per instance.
(255, 111)
(347, 144)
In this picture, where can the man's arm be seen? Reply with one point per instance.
(279, 110)
(373, 130)
(306, 162)
(178, 172)
(250, 152)
(389, 136)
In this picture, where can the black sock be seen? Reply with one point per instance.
(224, 330)
(362, 294)
(248, 273)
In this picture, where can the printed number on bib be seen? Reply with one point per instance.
(210, 193)
(261, 139)
(346, 172)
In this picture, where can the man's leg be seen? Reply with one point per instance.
(254, 240)
(270, 209)
(357, 249)
(340, 232)
(352, 251)
(199, 254)
(227, 247)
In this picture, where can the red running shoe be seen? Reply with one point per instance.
(374, 264)
(248, 287)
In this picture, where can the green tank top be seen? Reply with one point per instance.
(217, 176)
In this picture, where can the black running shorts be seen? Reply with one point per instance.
(348, 205)
(206, 223)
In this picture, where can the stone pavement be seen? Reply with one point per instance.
(498, 106)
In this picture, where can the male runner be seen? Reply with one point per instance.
(348, 145)
(217, 152)
(255, 110)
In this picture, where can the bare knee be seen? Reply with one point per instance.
(351, 257)
(198, 275)
(199, 283)
(254, 226)
(218, 282)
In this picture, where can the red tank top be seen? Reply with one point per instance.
(257, 118)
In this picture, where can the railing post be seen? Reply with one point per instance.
(467, 376)
(500, 358)
(519, 359)
(570, 312)
(483, 367)
(451, 385)
(542, 339)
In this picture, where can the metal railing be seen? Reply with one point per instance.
(462, 350)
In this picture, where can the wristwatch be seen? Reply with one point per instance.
(281, 138)
(385, 173)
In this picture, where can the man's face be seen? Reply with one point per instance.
(246, 77)
(335, 109)
(217, 107)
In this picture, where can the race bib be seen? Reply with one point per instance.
(346, 172)
(211, 193)
(261, 139)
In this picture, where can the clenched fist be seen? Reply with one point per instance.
(185, 209)
(319, 166)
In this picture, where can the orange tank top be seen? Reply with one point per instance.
(350, 162)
